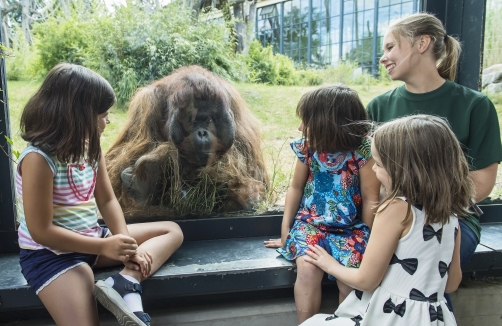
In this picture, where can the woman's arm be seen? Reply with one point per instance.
(386, 232)
(38, 209)
(484, 181)
(455, 272)
(370, 191)
(293, 199)
(107, 203)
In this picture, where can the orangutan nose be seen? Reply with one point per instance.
(202, 133)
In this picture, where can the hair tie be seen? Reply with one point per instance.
(445, 37)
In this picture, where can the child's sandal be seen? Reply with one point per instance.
(111, 297)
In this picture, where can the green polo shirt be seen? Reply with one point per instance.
(472, 117)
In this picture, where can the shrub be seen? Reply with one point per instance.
(135, 46)
(68, 40)
(20, 61)
(138, 47)
(311, 77)
(269, 68)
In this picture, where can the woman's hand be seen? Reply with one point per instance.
(143, 259)
(274, 243)
(119, 247)
(320, 257)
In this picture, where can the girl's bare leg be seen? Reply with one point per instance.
(75, 307)
(160, 239)
(307, 289)
(343, 291)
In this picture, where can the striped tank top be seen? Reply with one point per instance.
(74, 205)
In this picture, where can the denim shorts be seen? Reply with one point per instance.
(41, 267)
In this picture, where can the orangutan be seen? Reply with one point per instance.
(189, 145)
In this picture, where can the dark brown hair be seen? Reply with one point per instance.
(332, 119)
(63, 113)
(426, 165)
(446, 48)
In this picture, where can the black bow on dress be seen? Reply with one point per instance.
(436, 315)
(357, 319)
(429, 233)
(331, 317)
(443, 268)
(359, 294)
(410, 265)
(456, 231)
(419, 296)
(399, 309)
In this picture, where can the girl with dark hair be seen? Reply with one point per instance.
(333, 192)
(413, 255)
(418, 51)
(62, 181)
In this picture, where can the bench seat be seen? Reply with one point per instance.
(217, 266)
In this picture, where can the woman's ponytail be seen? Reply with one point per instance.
(447, 64)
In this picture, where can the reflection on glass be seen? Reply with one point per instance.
(358, 28)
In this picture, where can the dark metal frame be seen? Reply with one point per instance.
(8, 234)
(465, 20)
(462, 18)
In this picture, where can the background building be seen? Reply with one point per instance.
(322, 32)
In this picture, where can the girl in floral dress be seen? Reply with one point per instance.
(333, 191)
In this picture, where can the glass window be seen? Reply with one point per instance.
(383, 20)
(348, 6)
(334, 31)
(382, 3)
(407, 8)
(348, 28)
(369, 18)
(335, 7)
(360, 24)
(295, 11)
(359, 5)
(324, 32)
(369, 4)
(269, 11)
(316, 9)
(305, 11)
(287, 13)
(395, 12)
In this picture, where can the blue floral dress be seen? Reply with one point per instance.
(331, 205)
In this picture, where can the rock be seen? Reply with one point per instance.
(494, 77)
(494, 88)
(491, 69)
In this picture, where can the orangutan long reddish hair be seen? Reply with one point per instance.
(189, 145)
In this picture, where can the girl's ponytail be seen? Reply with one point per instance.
(447, 65)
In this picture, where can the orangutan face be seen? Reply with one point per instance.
(203, 131)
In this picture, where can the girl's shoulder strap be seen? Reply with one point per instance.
(364, 149)
(34, 149)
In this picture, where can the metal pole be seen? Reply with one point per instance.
(8, 235)
(374, 59)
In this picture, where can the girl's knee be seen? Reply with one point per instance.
(173, 229)
(308, 272)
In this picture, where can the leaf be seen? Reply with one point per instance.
(16, 154)
(9, 140)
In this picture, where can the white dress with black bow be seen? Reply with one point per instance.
(412, 290)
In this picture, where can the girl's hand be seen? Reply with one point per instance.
(320, 257)
(274, 243)
(143, 259)
(119, 247)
